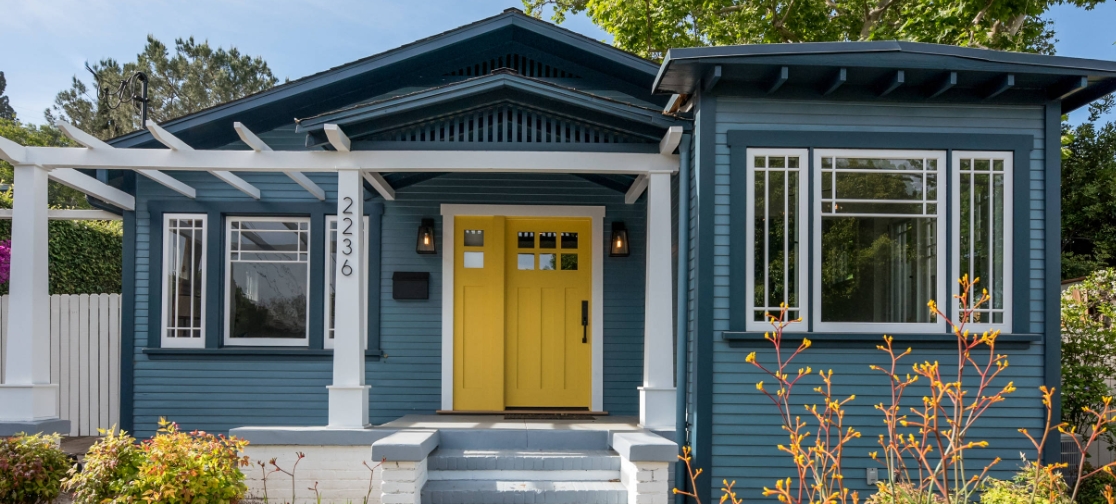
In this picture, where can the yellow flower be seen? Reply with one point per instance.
(759, 386)
(751, 358)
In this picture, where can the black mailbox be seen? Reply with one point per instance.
(410, 285)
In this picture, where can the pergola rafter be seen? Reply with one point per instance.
(175, 144)
(92, 142)
(258, 145)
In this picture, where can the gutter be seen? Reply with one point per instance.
(681, 430)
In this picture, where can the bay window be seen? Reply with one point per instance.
(777, 232)
(981, 216)
(878, 248)
(183, 317)
(267, 281)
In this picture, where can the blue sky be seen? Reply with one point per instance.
(44, 43)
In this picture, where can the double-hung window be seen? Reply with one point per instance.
(183, 317)
(331, 278)
(777, 231)
(267, 281)
(879, 255)
(982, 210)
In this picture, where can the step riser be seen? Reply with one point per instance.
(504, 463)
(560, 475)
(526, 439)
(548, 498)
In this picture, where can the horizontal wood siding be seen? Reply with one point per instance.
(745, 425)
(216, 394)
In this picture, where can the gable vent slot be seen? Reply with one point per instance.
(522, 64)
(507, 124)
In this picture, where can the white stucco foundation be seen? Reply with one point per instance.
(338, 471)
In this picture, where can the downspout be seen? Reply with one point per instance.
(681, 431)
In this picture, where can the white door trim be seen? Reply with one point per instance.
(596, 213)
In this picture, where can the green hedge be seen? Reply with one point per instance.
(86, 257)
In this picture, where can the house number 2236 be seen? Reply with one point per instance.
(347, 241)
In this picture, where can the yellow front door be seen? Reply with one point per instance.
(478, 314)
(521, 313)
(549, 282)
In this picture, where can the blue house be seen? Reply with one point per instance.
(512, 244)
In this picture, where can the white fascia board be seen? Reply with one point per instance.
(177, 145)
(616, 163)
(637, 188)
(257, 144)
(12, 152)
(74, 179)
(337, 138)
(380, 185)
(670, 140)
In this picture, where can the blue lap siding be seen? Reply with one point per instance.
(745, 428)
(219, 393)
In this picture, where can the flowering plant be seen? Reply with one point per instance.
(5, 260)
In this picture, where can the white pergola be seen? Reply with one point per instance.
(26, 392)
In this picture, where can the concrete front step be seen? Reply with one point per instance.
(523, 460)
(524, 492)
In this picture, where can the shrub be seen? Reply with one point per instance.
(1091, 489)
(31, 468)
(1032, 485)
(1088, 345)
(194, 467)
(110, 465)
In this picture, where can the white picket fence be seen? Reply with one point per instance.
(84, 358)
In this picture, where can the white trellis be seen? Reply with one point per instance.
(29, 395)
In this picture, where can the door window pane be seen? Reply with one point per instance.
(569, 240)
(547, 261)
(474, 237)
(526, 261)
(569, 262)
(474, 259)
(548, 240)
(526, 240)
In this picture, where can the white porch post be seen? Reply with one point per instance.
(657, 395)
(348, 396)
(26, 394)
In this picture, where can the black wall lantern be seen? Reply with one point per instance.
(619, 243)
(425, 243)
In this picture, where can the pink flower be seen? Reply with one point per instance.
(5, 260)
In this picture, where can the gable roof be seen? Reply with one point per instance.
(682, 69)
(383, 72)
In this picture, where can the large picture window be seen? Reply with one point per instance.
(267, 281)
(776, 235)
(331, 277)
(982, 218)
(878, 249)
(183, 319)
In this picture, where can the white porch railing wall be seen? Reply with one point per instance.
(84, 358)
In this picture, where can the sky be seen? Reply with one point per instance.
(45, 43)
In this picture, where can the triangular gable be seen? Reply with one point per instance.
(502, 110)
(540, 48)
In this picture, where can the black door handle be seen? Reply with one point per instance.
(584, 321)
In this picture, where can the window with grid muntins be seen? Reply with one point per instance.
(267, 281)
(184, 271)
(776, 196)
(983, 210)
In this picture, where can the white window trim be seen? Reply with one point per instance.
(327, 342)
(165, 341)
(955, 190)
(943, 274)
(803, 238)
(229, 340)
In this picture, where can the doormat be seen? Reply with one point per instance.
(547, 416)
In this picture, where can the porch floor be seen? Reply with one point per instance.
(498, 422)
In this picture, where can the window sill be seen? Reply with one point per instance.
(249, 353)
(900, 338)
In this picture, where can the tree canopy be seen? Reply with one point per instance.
(1088, 187)
(58, 195)
(651, 27)
(6, 111)
(192, 77)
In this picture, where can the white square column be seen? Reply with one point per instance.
(657, 401)
(26, 394)
(348, 396)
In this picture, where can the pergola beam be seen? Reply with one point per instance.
(670, 140)
(379, 184)
(76, 180)
(337, 138)
(92, 142)
(257, 144)
(175, 144)
(12, 152)
(68, 214)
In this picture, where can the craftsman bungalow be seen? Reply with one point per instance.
(509, 217)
